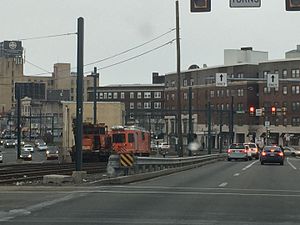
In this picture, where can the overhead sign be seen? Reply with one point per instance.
(267, 124)
(245, 3)
(273, 81)
(221, 79)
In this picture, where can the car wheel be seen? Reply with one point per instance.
(262, 163)
(228, 159)
(293, 154)
(281, 163)
(246, 159)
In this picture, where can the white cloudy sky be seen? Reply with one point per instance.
(115, 26)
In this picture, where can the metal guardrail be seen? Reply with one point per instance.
(152, 164)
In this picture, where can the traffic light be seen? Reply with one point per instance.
(251, 110)
(200, 5)
(292, 5)
(273, 110)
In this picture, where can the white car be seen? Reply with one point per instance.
(290, 151)
(28, 147)
(42, 147)
(254, 150)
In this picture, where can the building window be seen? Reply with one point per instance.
(131, 95)
(284, 90)
(284, 73)
(122, 95)
(147, 94)
(131, 115)
(285, 121)
(240, 92)
(139, 95)
(267, 90)
(295, 89)
(265, 73)
(100, 95)
(131, 105)
(240, 75)
(167, 97)
(147, 105)
(212, 94)
(193, 95)
(192, 81)
(295, 121)
(185, 96)
(295, 106)
(227, 92)
(173, 83)
(157, 94)
(109, 95)
(105, 96)
(115, 95)
(295, 73)
(157, 105)
(139, 105)
(240, 107)
(173, 96)
(185, 82)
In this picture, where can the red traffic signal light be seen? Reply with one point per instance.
(273, 110)
(251, 110)
(200, 6)
(292, 5)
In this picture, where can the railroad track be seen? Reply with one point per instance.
(26, 172)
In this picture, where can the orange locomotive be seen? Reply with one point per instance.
(130, 139)
(96, 144)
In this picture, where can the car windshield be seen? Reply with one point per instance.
(272, 149)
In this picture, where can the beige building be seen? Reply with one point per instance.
(110, 113)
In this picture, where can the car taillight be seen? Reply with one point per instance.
(243, 151)
(280, 153)
(229, 151)
(263, 153)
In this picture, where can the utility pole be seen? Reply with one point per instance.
(220, 134)
(179, 129)
(18, 95)
(96, 76)
(231, 121)
(79, 93)
(190, 116)
(209, 129)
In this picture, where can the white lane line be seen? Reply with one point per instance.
(223, 184)
(247, 167)
(236, 174)
(291, 164)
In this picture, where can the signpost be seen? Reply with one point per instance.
(221, 79)
(245, 3)
(272, 81)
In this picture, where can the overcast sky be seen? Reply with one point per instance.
(115, 26)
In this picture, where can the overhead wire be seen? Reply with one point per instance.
(47, 36)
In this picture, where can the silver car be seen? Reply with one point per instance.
(238, 151)
(290, 151)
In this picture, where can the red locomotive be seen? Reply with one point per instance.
(130, 139)
(96, 142)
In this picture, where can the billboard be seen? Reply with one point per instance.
(36, 91)
(11, 49)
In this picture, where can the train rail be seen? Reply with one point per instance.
(28, 172)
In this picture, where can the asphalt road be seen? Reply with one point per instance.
(225, 193)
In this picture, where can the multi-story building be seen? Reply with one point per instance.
(144, 103)
(229, 106)
(44, 91)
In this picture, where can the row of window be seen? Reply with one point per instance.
(132, 95)
(295, 73)
(146, 105)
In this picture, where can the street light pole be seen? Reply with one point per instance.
(179, 129)
(96, 76)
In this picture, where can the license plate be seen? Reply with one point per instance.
(272, 154)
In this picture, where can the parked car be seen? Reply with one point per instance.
(290, 151)
(28, 147)
(238, 151)
(25, 155)
(253, 148)
(271, 154)
(52, 152)
(9, 143)
(1, 157)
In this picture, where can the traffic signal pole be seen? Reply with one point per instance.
(79, 97)
(179, 129)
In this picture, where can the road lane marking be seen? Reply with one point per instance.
(223, 184)
(291, 164)
(236, 174)
(247, 167)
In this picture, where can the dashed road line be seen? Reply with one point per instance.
(291, 164)
(247, 167)
(236, 174)
(223, 184)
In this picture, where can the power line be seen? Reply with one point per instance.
(128, 50)
(134, 57)
(47, 36)
(37, 66)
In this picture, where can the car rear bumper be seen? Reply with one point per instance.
(270, 159)
(237, 156)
